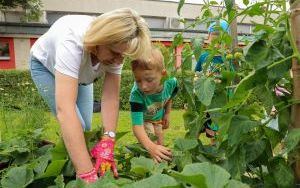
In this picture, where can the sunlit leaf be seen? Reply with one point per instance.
(292, 139)
(17, 177)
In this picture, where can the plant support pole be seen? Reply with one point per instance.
(295, 28)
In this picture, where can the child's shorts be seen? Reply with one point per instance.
(153, 126)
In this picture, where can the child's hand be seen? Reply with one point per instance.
(160, 153)
(166, 121)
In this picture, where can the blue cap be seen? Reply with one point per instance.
(223, 25)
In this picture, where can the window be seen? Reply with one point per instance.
(4, 50)
(7, 54)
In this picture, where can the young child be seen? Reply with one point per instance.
(151, 102)
(210, 128)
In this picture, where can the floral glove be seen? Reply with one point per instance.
(281, 91)
(103, 152)
(89, 177)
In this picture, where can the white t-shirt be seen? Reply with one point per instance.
(61, 49)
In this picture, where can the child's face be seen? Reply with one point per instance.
(148, 81)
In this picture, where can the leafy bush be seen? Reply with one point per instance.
(17, 91)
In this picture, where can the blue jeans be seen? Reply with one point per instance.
(45, 83)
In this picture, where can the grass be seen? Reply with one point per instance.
(124, 125)
(16, 121)
(12, 122)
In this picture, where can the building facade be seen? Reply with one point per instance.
(17, 36)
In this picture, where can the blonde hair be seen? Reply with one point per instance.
(154, 62)
(119, 26)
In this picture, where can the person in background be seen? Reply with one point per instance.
(65, 61)
(151, 103)
(214, 30)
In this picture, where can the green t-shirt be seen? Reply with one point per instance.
(150, 107)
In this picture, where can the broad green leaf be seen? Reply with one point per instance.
(228, 5)
(194, 123)
(185, 144)
(246, 2)
(68, 169)
(142, 165)
(246, 85)
(213, 3)
(224, 121)
(197, 46)
(204, 89)
(239, 125)
(236, 184)
(257, 53)
(256, 9)
(254, 149)
(17, 177)
(292, 139)
(188, 91)
(180, 4)
(41, 164)
(177, 40)
(266, 98)
(266, 28)
(119, 135)
(59, 151)
(54, 169)
(160, 167)
(157, 180)
(107, 181)
(59, 182)
(192, 181)
(236, 163)
(182, 158)
(273, 136)
(282, 172)
(214, 175)
(187, 58)
(284, 119)
(278, 71)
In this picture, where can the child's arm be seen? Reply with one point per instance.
(157, 152)
(166, 118)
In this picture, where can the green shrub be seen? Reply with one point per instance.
(17, 91)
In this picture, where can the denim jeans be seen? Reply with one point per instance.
(45, 83)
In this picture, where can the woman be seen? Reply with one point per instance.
(66, 60)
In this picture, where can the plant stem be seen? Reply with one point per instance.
(292, 40)
(280, 61)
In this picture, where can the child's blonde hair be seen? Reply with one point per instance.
(119, 26)
(154, 62)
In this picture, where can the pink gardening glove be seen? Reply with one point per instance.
(89, 177)
(281, 91)
(103, 152)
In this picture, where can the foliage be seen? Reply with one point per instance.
(240, 96)
(17, 91)
(31, 7)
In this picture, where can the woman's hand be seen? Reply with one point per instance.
(103, 152)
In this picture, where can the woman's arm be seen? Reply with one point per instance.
(66, 89)
(110, 101)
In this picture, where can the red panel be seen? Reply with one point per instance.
(32, 41)
(166, 43)
(178, 56)
(8, 63)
